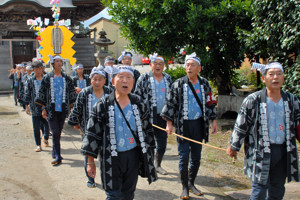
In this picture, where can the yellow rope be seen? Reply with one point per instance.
(186, 138)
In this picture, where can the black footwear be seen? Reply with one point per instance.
(56, 162)
(192, 188)
(159, 169)
(184, 182)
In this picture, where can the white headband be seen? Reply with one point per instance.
(110, 69)
(108, 60)
(29, 67)
(123, 68)
(194, 57)
(263, 68)
(78, 66)
(54, 58)
(124, 53)
(97, 70)
(155, 56)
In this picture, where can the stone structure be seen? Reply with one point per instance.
(113, 31)
(102, 44)
(229, 103)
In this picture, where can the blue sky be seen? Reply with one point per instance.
(103, 13)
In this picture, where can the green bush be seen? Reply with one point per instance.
(176, 72)
(292, 78)
(243, 76)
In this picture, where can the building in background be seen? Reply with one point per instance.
(112, 30)
(18, 43)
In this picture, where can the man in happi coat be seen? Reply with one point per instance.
(266, 125)
(22, 83)
(14, 76)
(56, 95)
(83, 106)
(153, 87)
(108, 67)
(80, 80)
(31, 92)
(191, 119)
(120, 133)
(126, 59)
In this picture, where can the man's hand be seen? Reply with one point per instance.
(77, 127)
(169, 128)
(77, 90)
(231, 152)
(27, 110)
(91, 170)
(91, 167)
(214, 126)
(44, 114)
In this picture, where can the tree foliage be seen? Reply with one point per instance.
(209, 28)
(292, 78)
(276, 29)
(276, 36)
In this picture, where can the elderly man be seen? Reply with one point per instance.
(189, 107)
(80, 80)
(126, 59)
(31, 92)
(14, 74)
(22, 83)
(119, 130)
(56, 95)
(108, 67)
(267, 124)
(153, 87)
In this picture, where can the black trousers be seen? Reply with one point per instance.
(127, 172)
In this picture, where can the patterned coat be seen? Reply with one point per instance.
(100, 139)
(136, 75)
(12, 76)
(46, 94)
(85, 77)
(176, 108)
(145, 87)
(22, 86)
(83, 108)
(251, 128)
(31, 92)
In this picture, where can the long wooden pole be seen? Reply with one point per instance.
(191, 140)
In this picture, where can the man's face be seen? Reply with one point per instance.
(79, 71)
(58, 63)
(109, 63)
(38, 71)
(157, 67)
(126, 60)
(98, 81)
(123, 82)
(273, 78)
(192, 68)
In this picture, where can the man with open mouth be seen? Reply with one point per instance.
(120, 133)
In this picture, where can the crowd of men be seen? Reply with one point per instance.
(115, 106)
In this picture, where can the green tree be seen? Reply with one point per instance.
(276, 36)
(209, 28)
(276, 30)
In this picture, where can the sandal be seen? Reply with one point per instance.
(46, 143)
(38, 149)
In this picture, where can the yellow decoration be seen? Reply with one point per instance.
(67, 51)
